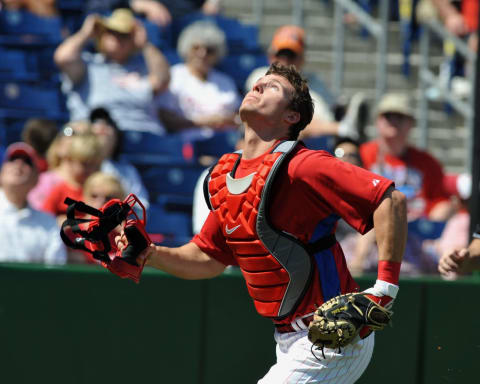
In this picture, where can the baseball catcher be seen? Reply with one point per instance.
(93, 230)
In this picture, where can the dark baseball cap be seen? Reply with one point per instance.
(23, 150)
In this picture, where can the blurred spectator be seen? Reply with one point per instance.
(83, 158)
(199, 95)
(26, 234)
(461, 19)
(457, 262)
(101, 187)
(288, 48)
(98, 189)
(43, 8)
(123, 76)
(456, 233)
(415, 172)
(57, 168)
(360, 255)
(160, 12)
(39, 134)
(110, 138)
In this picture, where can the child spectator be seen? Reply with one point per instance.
(83, 158)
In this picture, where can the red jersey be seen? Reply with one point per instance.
(54, 203)
(310, 193)
(417, 174)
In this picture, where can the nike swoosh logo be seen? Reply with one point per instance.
(230, 231)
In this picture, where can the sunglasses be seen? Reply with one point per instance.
(210, 50)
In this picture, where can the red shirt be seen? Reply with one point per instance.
(470, 14)
(54, 203)
(309, 195)
(417, 174)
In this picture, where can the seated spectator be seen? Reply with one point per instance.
(110, 138)
(44, 8)
(415, 172)
(288, 48)
(26, 234)
(39, 134)
(57, 169)
(456, 233)
(123, 76)
(199, 95)
(83, 158)
(98, 189)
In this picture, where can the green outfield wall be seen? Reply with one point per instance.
(82, 325)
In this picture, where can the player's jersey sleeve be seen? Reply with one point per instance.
(211, 241)
(351, 192)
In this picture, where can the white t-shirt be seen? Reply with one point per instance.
(192, 98)
(29, 236)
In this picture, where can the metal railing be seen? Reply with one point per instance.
(376, 28)
(429, 79)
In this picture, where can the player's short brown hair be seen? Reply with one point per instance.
(301, 102)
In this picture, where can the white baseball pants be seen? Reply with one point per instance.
(296, 363)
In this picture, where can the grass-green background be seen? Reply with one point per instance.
(82, 325)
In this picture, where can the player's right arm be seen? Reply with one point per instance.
(460, 262)
(187, 262)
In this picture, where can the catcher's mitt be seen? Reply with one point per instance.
(339, 320)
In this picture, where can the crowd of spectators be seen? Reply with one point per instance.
(116, 81)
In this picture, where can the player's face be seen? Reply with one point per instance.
(269, 99)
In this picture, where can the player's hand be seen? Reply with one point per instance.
(121, 242)
(453, 263)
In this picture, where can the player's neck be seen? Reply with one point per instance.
(258, 141)
(255, 145)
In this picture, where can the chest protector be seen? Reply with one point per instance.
(276, 266)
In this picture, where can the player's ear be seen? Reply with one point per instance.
(292, 117)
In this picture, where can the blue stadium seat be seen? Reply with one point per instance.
(24, 27)
(239, 66)
(23, 99)
(216, 145)
(171, 224)
(174, 178)
(240, 37)
(325, 143)
(426, 229)
(145, 149)
(17, 64)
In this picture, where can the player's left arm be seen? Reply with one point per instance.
(390, 224)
